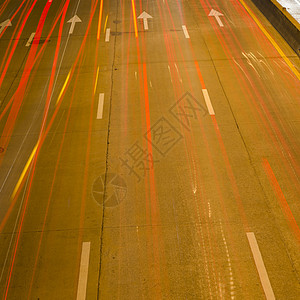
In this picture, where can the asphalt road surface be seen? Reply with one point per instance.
(149, 150)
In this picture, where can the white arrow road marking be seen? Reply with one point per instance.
(83, 271)
(145, 18)
(107, 35)
(73, 21)
(30, 39)
(208, 102)
(4, 24)
(262, 272)
(100, 106)
(186, 33)
(216, 14)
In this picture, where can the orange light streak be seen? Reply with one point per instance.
(13, 16)
(49, 126)
(19, 94)
(17, 38)
(100, 20)
(33, 64)
(53, 182)
(40, 26)
(282, 200)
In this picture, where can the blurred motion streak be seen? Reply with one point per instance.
(16, 41)
(46, 109)
(134, 18)
(13, 16)
(282, 200)
(100, 20)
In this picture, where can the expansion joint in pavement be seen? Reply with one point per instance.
(107, 149)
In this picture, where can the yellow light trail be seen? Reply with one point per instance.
(96, 80)
(294, 70)
(105, 23)
(63, 88)
(24, 171)
(100, 19)
(134, 18)
(36, 146)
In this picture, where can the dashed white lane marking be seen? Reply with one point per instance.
(107, 35)
(100, 106)
(170, 73)
(83, 271)
(180, 79)
(208, 102)
(30, 39)
(262, 272)
(185, 31)
(5, 24)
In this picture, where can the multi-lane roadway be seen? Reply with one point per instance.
(148, 150)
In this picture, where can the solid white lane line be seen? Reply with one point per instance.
(262, 272)
(208, 102)
(83, 271)
(107, 35)
(186, 33)
(100, 106)
(30, 39)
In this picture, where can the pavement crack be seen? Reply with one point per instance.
(107, 150)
